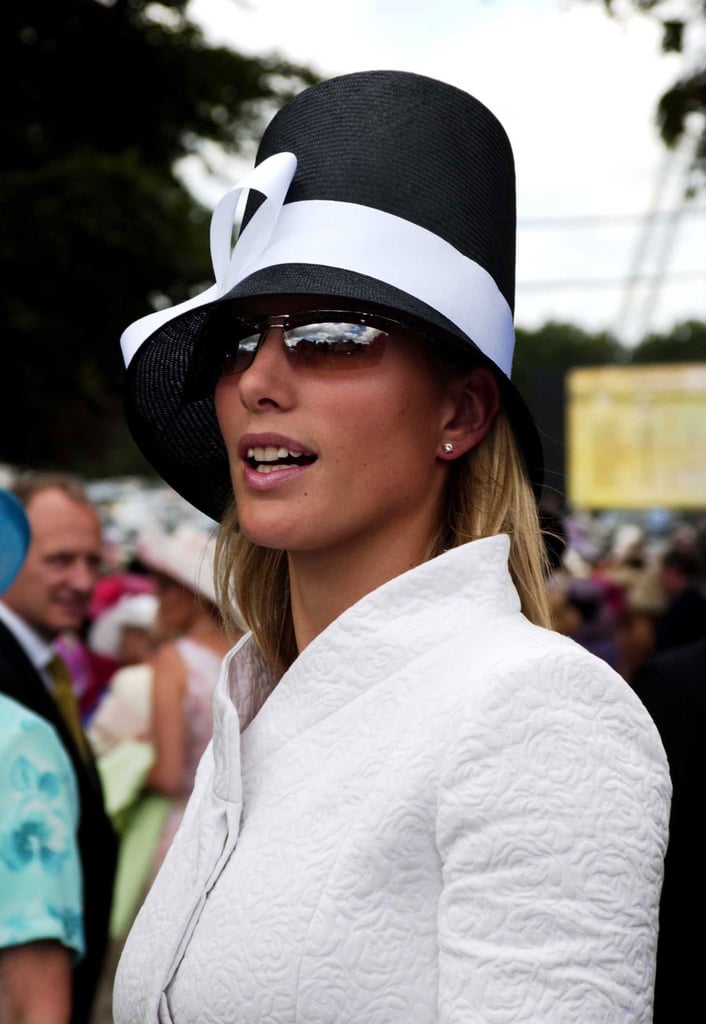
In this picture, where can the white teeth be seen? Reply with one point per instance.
(272, 454)
(269, 467)
(268, 454)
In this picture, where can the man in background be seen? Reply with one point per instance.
(684, 619)
(672, 686)
(49, 595)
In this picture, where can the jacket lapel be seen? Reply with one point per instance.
(20, 680)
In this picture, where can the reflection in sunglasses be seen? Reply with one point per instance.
(321, 344)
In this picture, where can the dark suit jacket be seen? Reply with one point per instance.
(97, 842)
(683, 621)
(672, 686)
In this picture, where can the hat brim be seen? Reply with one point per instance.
(14, 538)
(172, 416)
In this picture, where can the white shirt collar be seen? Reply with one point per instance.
(37, 649)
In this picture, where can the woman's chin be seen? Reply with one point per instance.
(275, 535)
(279, 536)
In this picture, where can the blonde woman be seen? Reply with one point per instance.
(432, 809)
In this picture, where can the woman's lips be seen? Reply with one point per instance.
(270, 459)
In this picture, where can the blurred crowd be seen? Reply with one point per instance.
(110, 650)
(626, 590)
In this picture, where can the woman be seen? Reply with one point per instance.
(437, 810)
(168, 700)
(41, 902)
(41, 910)
(156, 719)
(185, 666)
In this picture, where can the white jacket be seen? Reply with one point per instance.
(441, 814)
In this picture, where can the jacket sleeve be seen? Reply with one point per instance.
(552, 828)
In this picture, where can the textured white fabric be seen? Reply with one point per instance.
(445, 814)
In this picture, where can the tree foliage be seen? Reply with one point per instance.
(102, 99)
(558, 347)
(681, 110)
(686, 343)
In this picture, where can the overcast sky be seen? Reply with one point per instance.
(576, 92)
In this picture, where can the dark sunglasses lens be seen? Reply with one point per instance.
(239, 354)
(335, 346)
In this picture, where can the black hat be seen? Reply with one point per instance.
(382, 187)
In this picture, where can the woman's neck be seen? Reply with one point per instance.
(324, 584)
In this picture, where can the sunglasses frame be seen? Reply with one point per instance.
(289, 321)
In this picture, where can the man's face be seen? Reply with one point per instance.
(52, 590)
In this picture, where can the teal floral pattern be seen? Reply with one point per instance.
(40, 876)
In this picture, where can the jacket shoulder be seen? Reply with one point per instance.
(519, 672)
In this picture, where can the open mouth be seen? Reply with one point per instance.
(271, 458)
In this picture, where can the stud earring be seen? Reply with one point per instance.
(448, 447)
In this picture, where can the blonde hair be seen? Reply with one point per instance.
(488, 493)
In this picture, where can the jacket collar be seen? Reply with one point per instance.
(37, 650)
(375, 638)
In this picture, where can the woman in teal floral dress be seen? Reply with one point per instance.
(41, 927)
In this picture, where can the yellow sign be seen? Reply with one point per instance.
(637, 436)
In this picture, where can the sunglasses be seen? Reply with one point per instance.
(322, 339)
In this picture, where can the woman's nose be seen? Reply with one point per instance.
(267, 381)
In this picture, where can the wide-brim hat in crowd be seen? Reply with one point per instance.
(136, 611)
(381, 187)
(14, 537)
(185, 554)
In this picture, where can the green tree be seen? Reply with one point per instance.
(685, 343)
(557, 347)
(101, 101)
(681, 110)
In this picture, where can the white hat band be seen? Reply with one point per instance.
(351, 237)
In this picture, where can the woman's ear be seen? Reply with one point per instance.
(476, 403)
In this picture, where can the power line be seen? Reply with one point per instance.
(564, 284)
(658, 234)
(650, 224)
(608, 219)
